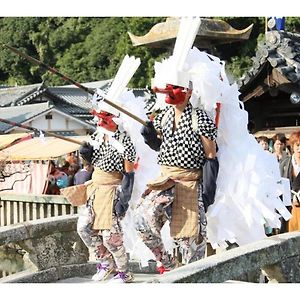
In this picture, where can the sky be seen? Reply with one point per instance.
(147, 8)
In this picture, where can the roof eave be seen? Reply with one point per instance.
(211, 32)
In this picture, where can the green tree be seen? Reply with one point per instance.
(92, 48)
(59, 42)
(16, 32)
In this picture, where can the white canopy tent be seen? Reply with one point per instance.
(38, 148)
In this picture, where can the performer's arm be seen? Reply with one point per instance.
(128, 178)
(128, 166)
(126, 189)
(209, 147)
(208, 133)
(150, 136)
(86, 152)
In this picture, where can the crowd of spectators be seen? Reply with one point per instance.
(287, 152)
(67, 171)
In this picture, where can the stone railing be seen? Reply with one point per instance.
(277, 256)
(5, 273)
(11, 260)
(16, 208)
(56, 251)
(50, 242)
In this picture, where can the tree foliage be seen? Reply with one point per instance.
(92, 48)
(16, 31)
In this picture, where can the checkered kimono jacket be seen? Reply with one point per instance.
(183, 147)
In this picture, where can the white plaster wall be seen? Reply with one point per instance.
(58, 122)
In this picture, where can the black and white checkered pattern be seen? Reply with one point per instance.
(109, 159)
(183, 147)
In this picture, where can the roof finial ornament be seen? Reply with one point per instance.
(271, 23)
(276, 23)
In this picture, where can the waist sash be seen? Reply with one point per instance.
(184, 221)
(104, 186)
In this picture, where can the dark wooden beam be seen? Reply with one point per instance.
(259, 90)
(278, 78)
(273, 81)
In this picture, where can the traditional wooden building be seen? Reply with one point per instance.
(64, 110)
(270, 90)
(60, 109)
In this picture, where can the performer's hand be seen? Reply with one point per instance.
(125, 194)
(150, 136)
(209, 181)
(86, 152)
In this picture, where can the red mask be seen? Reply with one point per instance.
(105, 120)
(174, 94)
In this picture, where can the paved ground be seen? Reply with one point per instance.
(139, 278)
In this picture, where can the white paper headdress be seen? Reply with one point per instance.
(172, 70)
(115, 94)
(127, 69)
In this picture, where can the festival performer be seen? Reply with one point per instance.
(185, 137)
(250, 188)
(248, 184)
(112, 154)
(146, 159)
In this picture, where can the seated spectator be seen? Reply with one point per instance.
(52, 188)
(264, 142)
(62, 180)
(73, 169)
(56, 180)
(72, 158)
(64, 166)
(84, 174)
(279, 146)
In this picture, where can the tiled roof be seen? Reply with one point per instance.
(9, 95)
(74, 95)
(76, 102)
(30, 96)
(281, 50)
(15, 114)
(68, 99)
(92, 85)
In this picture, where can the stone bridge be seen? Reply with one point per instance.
(57, 252)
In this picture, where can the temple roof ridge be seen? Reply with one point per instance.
(211, 32)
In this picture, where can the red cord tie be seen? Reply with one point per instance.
(162, 270)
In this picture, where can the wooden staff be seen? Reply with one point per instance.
(17, 141)
(44, 131)
(68, 79)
